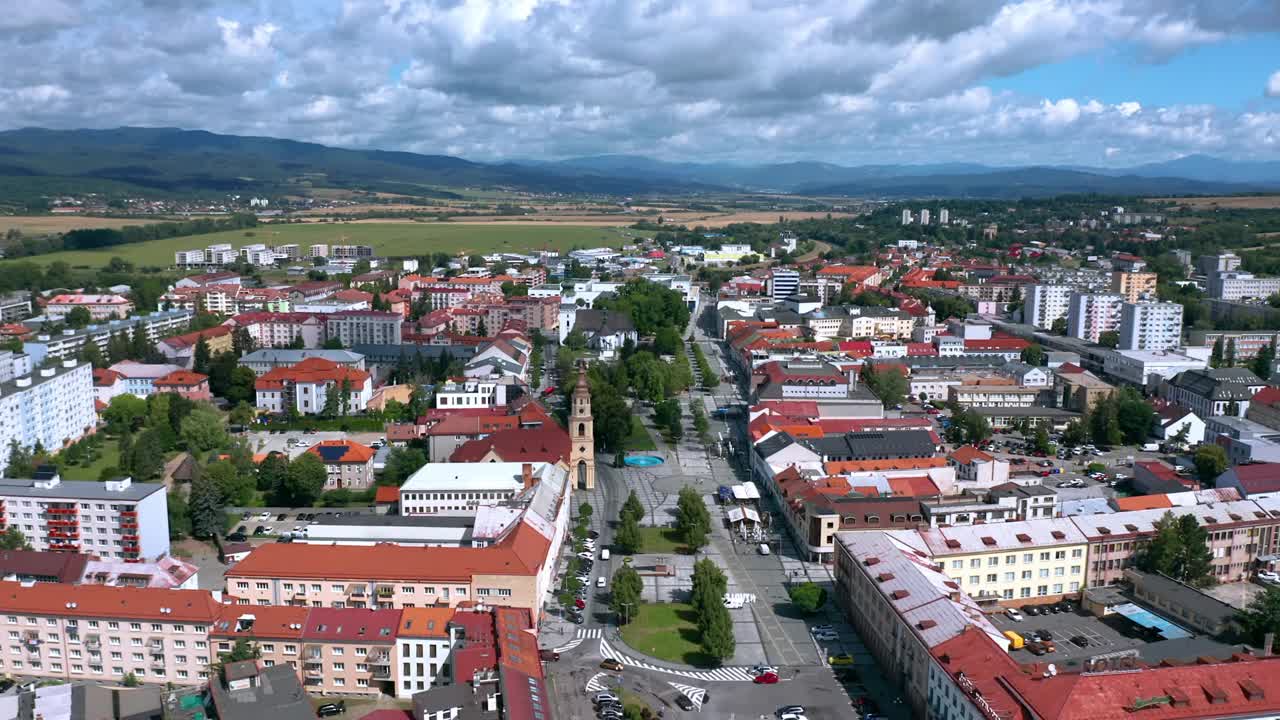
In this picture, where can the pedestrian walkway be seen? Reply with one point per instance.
(582, 635)
(696, 695)
(725, 674)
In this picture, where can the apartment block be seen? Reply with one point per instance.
(1092, 314)
(348, 465)
(992, 393)
(15, 307)
(361, 327)
(100, 307)
(69, 342)
(1237, 286)
(1134, 286)
(1044, 304)
(783, 283)
(425, 640)
(50, 408)
(114, 519)
(1150, 326)
(102, 633)
(305, 387)
(280, 330)
(265, 360)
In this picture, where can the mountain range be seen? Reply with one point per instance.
(38, 161)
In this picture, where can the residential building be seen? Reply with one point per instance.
(1150, 326)
(1264, 408)
(821, 381)
(992, 393)
(425, 641)
(103, 633)
(977, 469)
(1032, 500)
(213, 278)
(348, 465)
(349, 651)
(70, 342)
(228, 299)
(453, 488)
(15, 307)
(1092, 314)
(248, 691)
(1214, 391)
(281, 330)
(1080, 391)
(139, 378)
(549, 444)
(358, 327)
(188, 384)
(1044, 304)
(1244, 441)
(473, 393)
(113, 519)
(263, 361)
(1247, 342)
(1236, 286)
(1173, 420)
(50, 408)
(181, 349)
(100, 307)
(1134, 286)
(305, 387)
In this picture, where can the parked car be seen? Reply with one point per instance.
(260, 530)
(683, 702)
(1080, 640)
(1268, 577)
(1035, 648)
(331, 709)
(1013, 614)
(238, 535)
(1032, 610)
(790, 710)
(826, 636)
(548, 655)
(601, 582)
(1044, 635)
(765, 679)
(611, 664)
(264, 516)
(602, 697)
(579, 603)
(841, 659)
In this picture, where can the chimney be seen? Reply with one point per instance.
(526, 473)
(1268, 640)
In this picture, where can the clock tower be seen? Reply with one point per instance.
(582, 453)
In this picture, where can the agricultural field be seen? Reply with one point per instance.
(392, 239)
(1232, 202)
(43, 224)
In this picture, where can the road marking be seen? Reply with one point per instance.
(590, 633)
(725, 674)
(595, 684)
(568, 646)
(696, 695)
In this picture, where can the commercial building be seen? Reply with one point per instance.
(50, 408)
(1150, 326)
(1044, 304)
(306, 387)
(1235, 286)
(1092, 314)
(783, 283)
(113, 519)
(359, 327)
(348, 465)
(455, 487)
(1213, 392)
(1146, 368)
(992, 393)
(100, 307)
(1134, 286)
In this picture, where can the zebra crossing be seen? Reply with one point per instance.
(728, 674)
(696, 695)
(596, 683)
(582, 635)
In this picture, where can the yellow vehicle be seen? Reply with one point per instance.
(844, 659)
(1015, 640)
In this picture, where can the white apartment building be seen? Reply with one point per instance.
(359, 327)
(924, 216)
(68, 343)
(1092, 314)
(1241, 286)
(472, 393)
(117, 519)
(906, 217)
(220, 254)
(1150, 326)
(460, 488)
(944, 216)
(188, 258)
(318, 250)
(425, 641)
(1043, 304)
(49, 408)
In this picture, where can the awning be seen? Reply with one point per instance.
(1148, 619)
(738, 514)
(746, 491)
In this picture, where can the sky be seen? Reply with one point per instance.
(1002, 82)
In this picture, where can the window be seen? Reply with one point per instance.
(974, 579)
(993, 561)
(1028, 557)
(1044, 556)
(992, 577)
(957, 564)
(1026, 574)
(1010, 559)
(1042, 590)
(1057, 588)
(1009, 577)
(1077, 553)
(1075, 569)
(1044, 572)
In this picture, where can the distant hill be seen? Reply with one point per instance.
(170, 160)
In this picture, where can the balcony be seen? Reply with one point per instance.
(314, 670)
(61, 510)
(63, 522)
(380, 659)
(64, 546)
(93, 642)
(155, 645)
(382, 672)
(130, 539)
(129, 524)
(132, 514)
(356, 590)
(386, 591)
(157, 663)
(71, 534)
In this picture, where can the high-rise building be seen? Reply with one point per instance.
(1134, 286)
(117, 519)
(1150, 326)
(944, 216)
(49, 408)
(1223, 262)
(906, 217)
(1092, 314)
(924, 216)
(1043, 304)
(783, 283)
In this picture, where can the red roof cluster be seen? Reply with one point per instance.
(311, 370)
(353, 452)
(181, 378)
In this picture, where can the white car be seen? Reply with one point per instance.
(826, 636)
(264, 516)
(792, 716)
(1014, 615)
(601, 582)
(762, 669)
(1269, 577)
(821, 628)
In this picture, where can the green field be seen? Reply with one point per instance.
(392, 239)
(661, 541)
(639, 440)
(667, 631)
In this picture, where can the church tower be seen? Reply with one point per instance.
(582, 453)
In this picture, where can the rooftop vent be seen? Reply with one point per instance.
(988, 540)
(899, 594)
(1210, 520)
(1235, 516)
(1131, 527)
(1177, 696)
(873, 560)
(926, 624)
(953, 543)
(1252, 690)
(1023, 537)
(1104, 530)
(884, 577)
(1058, 535)
(1216, 695)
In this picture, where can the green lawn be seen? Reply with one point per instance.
(110, 458)
(660, 540)
(386, 239)
(639, 439)
(667, 631)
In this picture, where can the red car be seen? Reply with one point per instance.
(579, 603)
(549, 391)
(765, 679)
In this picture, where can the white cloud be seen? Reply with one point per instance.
(1273, 85)
(1112, 152)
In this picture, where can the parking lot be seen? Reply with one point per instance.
(273, 526)
(1101, 636)
(295, 442)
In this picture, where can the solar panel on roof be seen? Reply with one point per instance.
(332, 453)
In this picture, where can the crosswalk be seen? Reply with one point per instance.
(596, 683)
(582, 635)
(726, 674)
(696, 695)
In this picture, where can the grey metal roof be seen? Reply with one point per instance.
(390, 353)
(874, 445)
(78, 490)
(37, 379)
(602, 321)
(1175, 593)
(277, 695)
(293, 357)
(774, 444)
(1218, 383)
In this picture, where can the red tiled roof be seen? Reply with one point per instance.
(354, 451)
(1258, 477)
(195, 606)
(181, 378)
(545, 444)
(386, 494)
(1069, 369)
(311, 370)
(1142, 502)
(966, 454)
(1267, 396)
(914, 486)
(836, 467)
(351, 625)
(103, 377)
(269, 621)
(191, 338)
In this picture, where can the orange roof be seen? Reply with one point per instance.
(966, 454)
(181, 378)
(104, 601)
(425, 622)
(192, 338)
(105, 376)
(1142, 502)
(837, 467)
(311, 370)
(914, 486)
(354, 452)
(269, 621)
(520, 553)
(386, 494)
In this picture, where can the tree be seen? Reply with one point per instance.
(890, 385)
(124, 412)
(1210, 461)
(206, 506)
(632, 507)
(240, 386)
(1041, 440)
(585, 510)
(242, 341)
(1074, 434)
(1216, 355)
(693, 522)
(202, 430)
(575, 340)
(179, 516)
(92, 354)
(717, 635)
(147, 457)
(625, 592)
(1179, 549)
(807, 597)
(243, 649)
(1179, 439)
(1262, 615)
(627, 538)
(1264, 360)
(13, 539)
(78, 317)
(667, 341)
(130, 680)
(303, 483)
(1109, 338)
(1033, 354)
(1059, 326)
(272, 473)
(241, 414)
(709, 586)
(22, 462)
(401, 463)
(333, 343)
(235, 488)
(1229, 359)
(200, 356)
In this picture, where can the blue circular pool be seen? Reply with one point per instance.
(643, 460)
